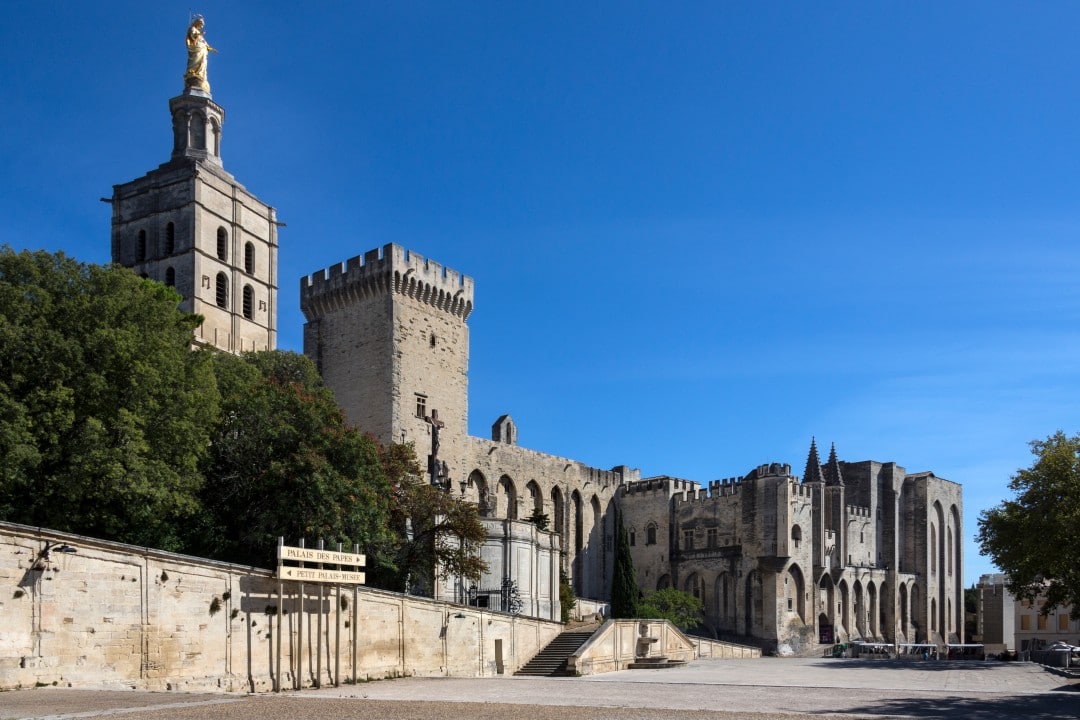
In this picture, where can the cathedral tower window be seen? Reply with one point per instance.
(222, 244)
(221, 290)
(170, 277)
(248, 301)
(170, 239)
(140, 247)
(249, 258)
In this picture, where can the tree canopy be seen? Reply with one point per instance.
(1034, 537)
(681, 608)
(105, 411)
(284, 462)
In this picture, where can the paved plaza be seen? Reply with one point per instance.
(764, 688)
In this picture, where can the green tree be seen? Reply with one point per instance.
(567, 600)
(105, 411)
(284, 463)
(681, 608)
(435, 534)
(1033, 537)
(624, 589)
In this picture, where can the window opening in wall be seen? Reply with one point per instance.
(170, 277)
(1063, 622)
(248, 297)
(650, 535)
(688, 539)
(222, 244)
(421, 405)
(1042, 621)
(140, 247)
(249, 258)
(170, 239)
(710, 537)
(221, 291)
(1025, 622)
(432, 340)
(633, 538)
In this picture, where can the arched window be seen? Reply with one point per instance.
(140, 247)
(170, 239)
(248, 294)
(796, 535)
(249, 258)
(221, 290)
(170, 277)
(222, 244)
(650, 534)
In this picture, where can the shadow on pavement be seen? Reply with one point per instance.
(1046, 705)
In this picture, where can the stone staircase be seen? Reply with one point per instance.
(551, 661)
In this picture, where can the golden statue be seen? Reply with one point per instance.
(197, 50)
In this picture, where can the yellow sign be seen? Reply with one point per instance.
(344, 577)
(311, 555)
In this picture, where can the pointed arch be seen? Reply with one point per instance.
(485, 505)
(795, 592)
(509, 491)
(558, 514)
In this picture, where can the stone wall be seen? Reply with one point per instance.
(111, 615)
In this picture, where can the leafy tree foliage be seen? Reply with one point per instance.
(284, 462)
(1033, 538)
(681, 608)
(436, 535)
(104, 408)
(539, 518)
(624, 589)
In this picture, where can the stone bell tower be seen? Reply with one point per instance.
(191, 225)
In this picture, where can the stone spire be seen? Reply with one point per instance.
(832, 469)
(813, 465)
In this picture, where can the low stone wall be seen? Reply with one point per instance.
(113, 615)
(723, 650)
(587, 609)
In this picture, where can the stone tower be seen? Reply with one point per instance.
(388, 333)
(191, 225)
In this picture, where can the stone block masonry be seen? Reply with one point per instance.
(114, 615)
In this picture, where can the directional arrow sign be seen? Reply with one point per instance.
(315, 575)
(287, 552)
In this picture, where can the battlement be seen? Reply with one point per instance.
(390, 268)
(659, 485)
(769, 470)
(856, 511)
(800, 490)
(724, 487)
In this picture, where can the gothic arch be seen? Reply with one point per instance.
(795, 591)
(858, 603)
(872, 612)
(843, 607)
(826, 598)
(485, 504)
(536, 498)
(509, 491)
(558, 521)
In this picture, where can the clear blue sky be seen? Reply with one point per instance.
(701, 233)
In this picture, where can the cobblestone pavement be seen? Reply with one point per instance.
(768, 688)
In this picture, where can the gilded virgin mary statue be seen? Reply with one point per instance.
(197, 50)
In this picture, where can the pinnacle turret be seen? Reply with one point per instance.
(813, 465)
(832, 468)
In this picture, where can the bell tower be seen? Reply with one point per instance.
(191, 225)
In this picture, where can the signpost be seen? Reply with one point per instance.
(346, 574)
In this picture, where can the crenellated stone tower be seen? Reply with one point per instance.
(191, 225)
(388, 333)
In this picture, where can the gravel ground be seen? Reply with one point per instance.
(766, 689)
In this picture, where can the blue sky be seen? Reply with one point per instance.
(701, 233)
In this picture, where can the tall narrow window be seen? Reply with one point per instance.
(249, 258)
(222, 244)
(170, 277)
(140, 247)
(170, 239)
(248, 293)
(221, 290)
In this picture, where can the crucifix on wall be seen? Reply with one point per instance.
(440, 473)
